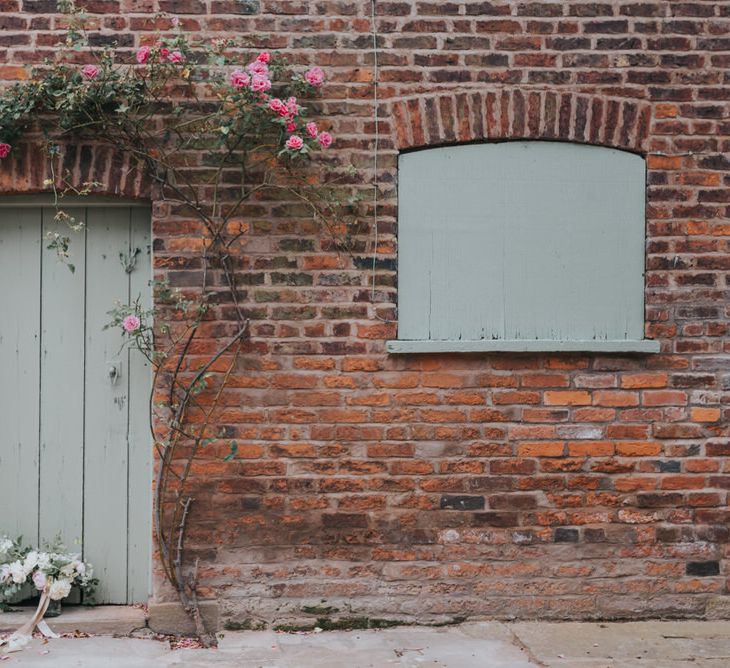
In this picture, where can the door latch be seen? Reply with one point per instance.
(114, 371)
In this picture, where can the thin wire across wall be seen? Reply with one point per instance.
(376, 149)
(374, 33)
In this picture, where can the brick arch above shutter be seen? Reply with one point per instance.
(434, 119)
(27, 170)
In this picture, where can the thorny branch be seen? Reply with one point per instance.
(159, 115)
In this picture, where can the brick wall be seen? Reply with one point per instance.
(440, 486)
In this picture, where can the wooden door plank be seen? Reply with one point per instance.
(106, 457)
(62, 389)
(20, 253)
(139, 438)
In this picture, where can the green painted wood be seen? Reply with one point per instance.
(75, 451)
(525, 346)
(61, 482)
(139, 545)
(106, 457)
(20, 255)
(521, 241)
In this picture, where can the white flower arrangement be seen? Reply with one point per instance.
(53, 569)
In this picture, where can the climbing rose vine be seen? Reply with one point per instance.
(213, 126)
(121, 91)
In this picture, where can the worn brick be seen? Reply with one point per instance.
(567, 398)
(564, 535)
(703, 568)
(461, 502)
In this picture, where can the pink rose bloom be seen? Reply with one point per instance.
(175, 21)
(176, 57)
(39, 580)
(324, 139)
(258, 67)
(90, 71)
(290, 127)
(264, 57)
(143, 55)
(295, 142)
(131, 324)
(239, 79)
(4, 150)
(164, 53)
(312, 129)
(260, 83)
(292, 107)
(277, 105)
(315, 77)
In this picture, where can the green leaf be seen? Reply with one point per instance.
(234, 450)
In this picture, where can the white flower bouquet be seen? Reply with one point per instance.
(53, 571)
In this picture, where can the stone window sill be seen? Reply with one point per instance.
(522, 346)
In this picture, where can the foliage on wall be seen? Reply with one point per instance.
(180, 100)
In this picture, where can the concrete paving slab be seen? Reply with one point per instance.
(100, 652)
(472, 645)
(482, 645)
(601, 645)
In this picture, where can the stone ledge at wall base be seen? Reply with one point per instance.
(169, 617)
(718, 607)
(172, 618)
(118, 620)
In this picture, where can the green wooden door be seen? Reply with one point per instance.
(74, 444)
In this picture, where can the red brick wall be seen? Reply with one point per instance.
(440, 486)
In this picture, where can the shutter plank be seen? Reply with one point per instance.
(450, 274)
(575, 242)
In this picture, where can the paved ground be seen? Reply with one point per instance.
(471, 645)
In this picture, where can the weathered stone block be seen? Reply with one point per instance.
(172, 618)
